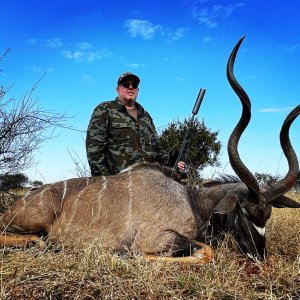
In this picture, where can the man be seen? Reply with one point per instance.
(121, 132)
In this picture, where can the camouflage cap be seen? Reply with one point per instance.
(127, 76)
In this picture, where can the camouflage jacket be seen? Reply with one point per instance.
(115, 140)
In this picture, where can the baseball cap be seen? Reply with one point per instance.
(128, 76)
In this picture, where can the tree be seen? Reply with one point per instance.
(266, 180)
(13, 181)
(24, 126)
(203, 149)
(36, 183)
(10, 184)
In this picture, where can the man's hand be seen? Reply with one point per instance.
(181, 166)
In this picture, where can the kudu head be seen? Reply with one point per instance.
(249, 205)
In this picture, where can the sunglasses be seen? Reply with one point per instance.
(127, 85)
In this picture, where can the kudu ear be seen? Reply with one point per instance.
(285, 202)
(227, 204)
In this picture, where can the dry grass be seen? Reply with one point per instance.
(95, 274)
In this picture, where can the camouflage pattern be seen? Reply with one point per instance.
(115, 140)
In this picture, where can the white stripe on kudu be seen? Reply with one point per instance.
(260, 230)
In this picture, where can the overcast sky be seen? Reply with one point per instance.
(175, 47)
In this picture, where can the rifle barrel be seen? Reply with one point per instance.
(198, 101)
(186, 140)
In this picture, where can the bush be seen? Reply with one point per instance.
(203, 148)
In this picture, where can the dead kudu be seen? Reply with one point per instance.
(143, 210)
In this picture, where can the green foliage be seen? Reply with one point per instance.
(10, 185)
(13, 181)
(204, 148)
(36, 183)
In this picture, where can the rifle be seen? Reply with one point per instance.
(186, 141)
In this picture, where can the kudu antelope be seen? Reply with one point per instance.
(142, 209)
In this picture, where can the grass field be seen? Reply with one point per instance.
(92, 273)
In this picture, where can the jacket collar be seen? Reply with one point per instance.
(122, 107)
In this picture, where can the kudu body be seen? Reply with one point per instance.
(142, 209)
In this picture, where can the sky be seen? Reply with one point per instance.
(175, 47)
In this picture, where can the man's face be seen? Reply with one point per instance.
(128, 90)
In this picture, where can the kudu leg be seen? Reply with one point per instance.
(26, 241)
(202, 255)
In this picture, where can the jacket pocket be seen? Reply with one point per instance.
(120, 132)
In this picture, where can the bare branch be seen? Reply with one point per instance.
(81, 168)
(4, 54)
(24, 126)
